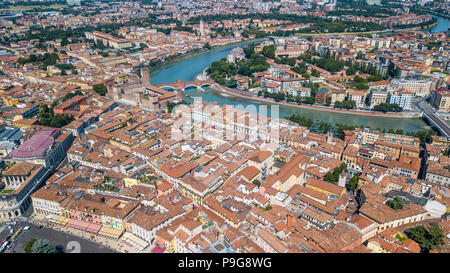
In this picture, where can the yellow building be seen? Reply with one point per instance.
(27, 123)
(130, 182)
(337, 95)
(9, 101)
(349, 156)
(410, 151)
(192, 193)
(261, 160)
(122, 78)
(369, 136)
(440, 140)
(325, 187)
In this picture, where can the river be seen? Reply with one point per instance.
(188, 68)
(442, 25)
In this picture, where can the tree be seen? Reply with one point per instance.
(387, 107)
(142, 46)
(223, 72)
(428, 239)
(333, 177)
(29, 245)
(100, 89)
(353, 183)
(43, 246)
(351, 71)
(423, 135)
(256, 182)
(249, 51)
(446, 152)
(171, 105)
(64, 42)
(396, 203)
(207, 46)
(269, 51)
(315, 73)
(345, 104)
(47, 118)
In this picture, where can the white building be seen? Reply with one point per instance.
(235, 54)
(401, 98)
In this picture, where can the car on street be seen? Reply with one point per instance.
(26, 228)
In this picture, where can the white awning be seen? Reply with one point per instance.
(133, 239)
(52, 218)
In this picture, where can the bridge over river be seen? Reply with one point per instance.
(179, 85)
(430, 114)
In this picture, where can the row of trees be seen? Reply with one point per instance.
(320, 126)
(349, 104)
(387, 107)
(423, 135)
(338, 129)
(319, 24)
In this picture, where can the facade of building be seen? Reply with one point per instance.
(401, 98)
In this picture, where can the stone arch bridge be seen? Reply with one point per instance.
(179, 85)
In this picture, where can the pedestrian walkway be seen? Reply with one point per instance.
(110, 243)
(126, 243)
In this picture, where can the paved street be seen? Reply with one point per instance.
(69, 242)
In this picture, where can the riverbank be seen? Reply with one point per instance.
(307, 106)
(340, 33)
(430, 26)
